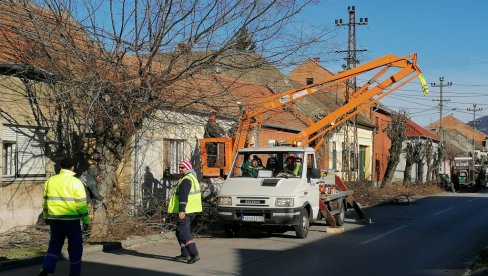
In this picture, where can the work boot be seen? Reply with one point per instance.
(193, 259)
(181, 258)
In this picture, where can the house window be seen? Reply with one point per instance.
(23, 152)
(8, 155)
(309, 81)
(173, 154)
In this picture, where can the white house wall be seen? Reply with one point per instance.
(149, 143)
(400, 169)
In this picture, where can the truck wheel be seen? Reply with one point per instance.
(231, 231)
(341, 215)
(301, 229)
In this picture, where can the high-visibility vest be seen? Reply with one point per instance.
(298, 166)
(65, 198)
(295, 170)
(194, 204)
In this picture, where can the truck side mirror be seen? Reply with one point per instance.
(313, 173)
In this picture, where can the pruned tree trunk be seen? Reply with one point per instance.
(429, 156)
(396, 133)
(409, 160)
(407, 174)
(420, 172)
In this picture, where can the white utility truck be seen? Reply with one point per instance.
(273, 197)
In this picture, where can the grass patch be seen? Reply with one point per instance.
(22, 252)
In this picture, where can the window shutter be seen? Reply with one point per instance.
(9, 134)
(166, 163)
(31, 153)
(30, 149)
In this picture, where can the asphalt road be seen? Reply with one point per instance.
(437, 235)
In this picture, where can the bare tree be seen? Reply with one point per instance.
(420, 154)
(414, 153)
(429, 157)
(396, 132)
(106, 66)
(409, 161)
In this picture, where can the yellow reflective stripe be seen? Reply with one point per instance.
(59, 198)
(63, 216)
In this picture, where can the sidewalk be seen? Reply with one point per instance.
(89, 249)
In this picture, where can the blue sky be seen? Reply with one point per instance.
(449, 36)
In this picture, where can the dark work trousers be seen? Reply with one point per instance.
(184, 236)
(60, 229)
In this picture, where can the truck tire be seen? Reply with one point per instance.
(339, 217)
(231, 231)
(301, 229)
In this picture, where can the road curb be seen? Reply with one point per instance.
(88, 249)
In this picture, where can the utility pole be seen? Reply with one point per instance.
(474, 126)
(441, 130)
(351, 62)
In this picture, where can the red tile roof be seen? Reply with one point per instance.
(415, 130)
(451, 122)
(32, 35)
(206, 94)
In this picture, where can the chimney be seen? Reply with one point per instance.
(316, 59)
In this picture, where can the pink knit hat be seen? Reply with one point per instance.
(187, 165)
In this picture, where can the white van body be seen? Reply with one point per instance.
(271, 197)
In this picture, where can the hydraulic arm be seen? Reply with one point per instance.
(372, 91)
(257, 112)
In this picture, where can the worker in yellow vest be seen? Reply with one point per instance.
(186, 201)
(64, 204)
(293, 166)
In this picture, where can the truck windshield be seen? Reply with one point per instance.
(287, 164)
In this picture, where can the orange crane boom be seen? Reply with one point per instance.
(253, 114)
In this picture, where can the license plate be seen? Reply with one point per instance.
(253, 218)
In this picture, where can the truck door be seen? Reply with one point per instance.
(312, 184)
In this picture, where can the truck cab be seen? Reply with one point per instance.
(264, 188)
(464, 172)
